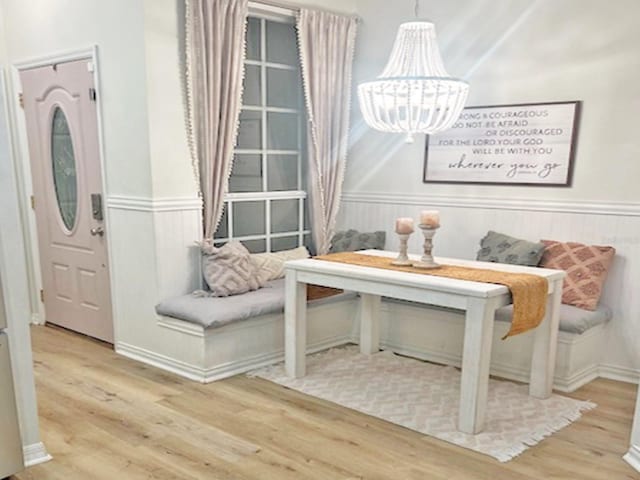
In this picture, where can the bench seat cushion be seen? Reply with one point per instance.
(215, 312)
(572, 319)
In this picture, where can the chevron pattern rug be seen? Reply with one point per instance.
(425, 397)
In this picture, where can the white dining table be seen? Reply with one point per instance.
(478, 300)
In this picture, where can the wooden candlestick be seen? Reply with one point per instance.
(427, 258)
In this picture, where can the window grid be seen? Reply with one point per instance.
(264, 152)
(233, 198)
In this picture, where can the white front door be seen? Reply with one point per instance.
(62, 128)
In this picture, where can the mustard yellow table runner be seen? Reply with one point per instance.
(528, 292)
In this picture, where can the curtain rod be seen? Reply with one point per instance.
(293, 9)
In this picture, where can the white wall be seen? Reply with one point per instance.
(524, 51)
(519, 52)
(42, 27)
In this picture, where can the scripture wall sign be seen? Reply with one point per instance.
(529, 144)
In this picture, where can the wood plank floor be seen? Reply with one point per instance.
(106, 417)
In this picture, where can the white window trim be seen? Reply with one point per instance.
(270, 13)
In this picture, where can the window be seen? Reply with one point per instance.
(266, 205)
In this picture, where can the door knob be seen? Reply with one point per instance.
(97, 231)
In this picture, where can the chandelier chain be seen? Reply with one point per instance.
(417, 8)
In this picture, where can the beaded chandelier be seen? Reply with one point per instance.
(414, 93)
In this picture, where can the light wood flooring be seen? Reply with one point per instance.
(106, 417)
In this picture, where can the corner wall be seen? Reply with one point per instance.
(523, 51)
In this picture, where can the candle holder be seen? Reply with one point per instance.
(427, 259)
(403, 258)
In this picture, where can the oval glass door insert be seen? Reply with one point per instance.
(64, 169)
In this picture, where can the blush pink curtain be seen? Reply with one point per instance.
(326, 43)
(215, 72)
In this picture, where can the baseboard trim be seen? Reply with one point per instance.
(577, 380)
(633, 457)
(35, 454)
(235, 368)
(208, 375)
(621, 374)
(499, 370)
(630, 209)
(162, 362)
(36, 320)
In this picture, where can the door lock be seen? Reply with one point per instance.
(96, 207)
(97, 231)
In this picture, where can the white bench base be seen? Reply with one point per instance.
(207, 355)
(437, 335)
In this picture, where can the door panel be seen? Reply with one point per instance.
(62, 130)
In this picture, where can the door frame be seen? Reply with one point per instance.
(26, 180)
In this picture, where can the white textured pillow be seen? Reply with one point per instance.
(270, 265)
(228, 270)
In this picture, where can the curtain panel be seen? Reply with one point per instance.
(215, 51)
(327, 43)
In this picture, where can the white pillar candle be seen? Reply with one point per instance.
(404, 225)
(430, 218)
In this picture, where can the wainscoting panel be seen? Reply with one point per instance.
(177, 226)
(154, 256)
(466, 220)
(178, 255)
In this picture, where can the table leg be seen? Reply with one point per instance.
(369, 323)
(545, 342)
(295, 325)
(476, 357)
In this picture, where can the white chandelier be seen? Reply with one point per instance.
(414, 93)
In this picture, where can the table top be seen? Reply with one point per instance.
(420, 280)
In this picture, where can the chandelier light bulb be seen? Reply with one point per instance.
(414, 93)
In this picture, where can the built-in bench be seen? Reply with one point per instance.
(225, 336)
(437, 336)
(217, 337)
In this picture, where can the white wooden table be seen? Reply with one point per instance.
(479, 300)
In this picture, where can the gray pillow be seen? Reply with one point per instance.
(352, 240)
(501, 248)
(229, 270)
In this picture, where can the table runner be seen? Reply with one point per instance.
(318, 292)
(528, 292)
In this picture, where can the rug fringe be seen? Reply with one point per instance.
(544, 431)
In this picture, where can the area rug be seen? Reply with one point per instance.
(425, 397)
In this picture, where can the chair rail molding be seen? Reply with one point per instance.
(147, 204)
(496, 203)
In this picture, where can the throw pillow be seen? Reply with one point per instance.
(501, 248)
(353, 240)
(270, 265)
(586, 268)
(228, 270)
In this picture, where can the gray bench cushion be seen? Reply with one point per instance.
(214, 312)
(572, 319)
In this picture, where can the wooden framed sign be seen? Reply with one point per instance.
(527, 144)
